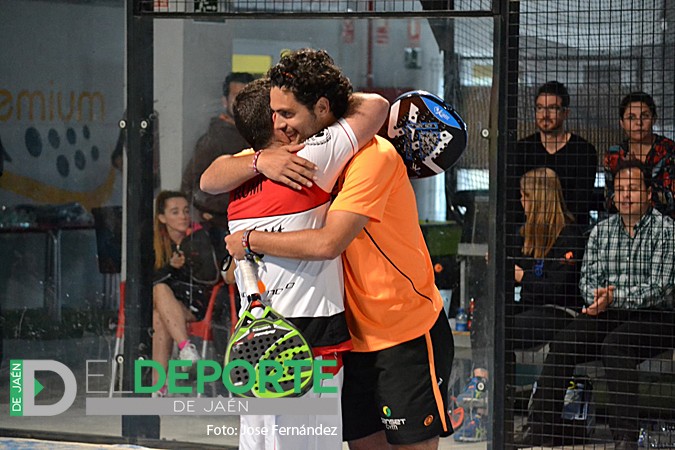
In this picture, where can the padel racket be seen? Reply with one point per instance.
(263, 335)
(428, 133)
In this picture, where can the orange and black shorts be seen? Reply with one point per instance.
(400, 390)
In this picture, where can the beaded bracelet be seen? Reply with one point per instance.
(256, 155)
(245, 242)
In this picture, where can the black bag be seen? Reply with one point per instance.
(200, 258)
(195, 296)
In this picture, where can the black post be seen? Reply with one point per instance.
(139, 126)
(504, 115)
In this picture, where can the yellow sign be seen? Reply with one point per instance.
(255, 64)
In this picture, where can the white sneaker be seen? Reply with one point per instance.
(163, 392)
(189, 353)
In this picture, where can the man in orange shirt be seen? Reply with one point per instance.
(395, 382)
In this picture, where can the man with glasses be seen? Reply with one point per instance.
(637, 115)
(573, 158)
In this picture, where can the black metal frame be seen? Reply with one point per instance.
(506, 51)
(139, 125)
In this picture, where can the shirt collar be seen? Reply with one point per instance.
(644, 221)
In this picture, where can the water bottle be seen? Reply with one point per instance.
(462, 320)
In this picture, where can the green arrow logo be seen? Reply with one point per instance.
(38, 387)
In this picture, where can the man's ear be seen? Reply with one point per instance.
(322, 107)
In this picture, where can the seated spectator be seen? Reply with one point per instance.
(547, 270)
(627, 280)
(637, 115)
(185, 271)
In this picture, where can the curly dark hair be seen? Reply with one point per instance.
(252, 113)
(311, 74)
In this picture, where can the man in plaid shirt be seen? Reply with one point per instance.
(627, 281)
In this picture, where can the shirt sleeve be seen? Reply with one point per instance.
(369, 180)
(592, 268)
(246, 151)
(330, 149)
(655, 290)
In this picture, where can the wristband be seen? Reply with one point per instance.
(245, 242)
(256, 155)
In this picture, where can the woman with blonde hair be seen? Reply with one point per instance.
(547, 271)
(547, 268)
(185, 272)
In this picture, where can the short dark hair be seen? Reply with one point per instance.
(252, 113)
(627, 164)
(236, 77)
(311, 74)
(555, 88)
(637, 96)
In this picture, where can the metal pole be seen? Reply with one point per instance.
(504, 119)
(139, 125)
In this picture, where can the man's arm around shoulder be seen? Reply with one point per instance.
(281, 164)
(365, 115)
(313, 245)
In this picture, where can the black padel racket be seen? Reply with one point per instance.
(428, 133)
(262, 335)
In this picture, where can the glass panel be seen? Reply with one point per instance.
(61, 96)
(450, 58)
(61, 189)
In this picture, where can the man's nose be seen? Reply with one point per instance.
(278, 121)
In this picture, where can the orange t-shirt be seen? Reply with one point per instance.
(389, 279)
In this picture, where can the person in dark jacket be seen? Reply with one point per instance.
(547, 271)
(221, 138)
(547, 268)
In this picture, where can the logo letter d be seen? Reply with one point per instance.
(30, 366)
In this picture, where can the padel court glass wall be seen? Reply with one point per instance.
(384, 47)
(109, 113)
